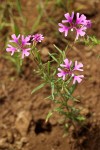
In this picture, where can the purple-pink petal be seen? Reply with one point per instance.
(25, 52)
(88, 24)
(77, 78)
(68, 17)
(80, 32)
(78, 66)
(25, 40)
(67, 63)
(15, 38)
(81, 20)
(11, 49)
(61, 73)
(63, 28)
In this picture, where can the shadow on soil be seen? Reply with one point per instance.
(87, 138)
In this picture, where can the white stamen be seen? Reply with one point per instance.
(71, 29)
(18, 50)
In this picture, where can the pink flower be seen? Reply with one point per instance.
(68, 69)
(79, 25)
(21, 45)
(37, 37)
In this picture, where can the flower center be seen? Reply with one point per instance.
(68, 71)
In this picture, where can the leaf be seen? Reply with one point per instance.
(49, 115)
(63, 55)
(91, 41)
(16, 29)
(53, 57)
(70, 92)
(19, 6)
(81, 118)
(10, 58)
(48, 67)
(54, 72)
(60, 51)
(37, 88)
(72, 88)
(37, 22)
(68, 81)
(52, 90)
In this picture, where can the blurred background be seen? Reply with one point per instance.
(22, 114)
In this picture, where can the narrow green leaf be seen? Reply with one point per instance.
(48, 67)
(10, 58)
(72, 88)
(81, 118)
(48, 116)
(19, 6)
(16, 29)
(52, 90)
(35, 25)
(37, 88)
(68, 81)
(53, 57)
(60, 51)
(63, 55)
(69, 93)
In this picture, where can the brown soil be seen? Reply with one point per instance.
(22, 115)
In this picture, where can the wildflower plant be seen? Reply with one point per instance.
(65, 76)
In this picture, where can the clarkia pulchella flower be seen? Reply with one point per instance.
(69, 69)
(80, 24)
(20, 44)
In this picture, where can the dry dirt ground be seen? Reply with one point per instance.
(22, 114)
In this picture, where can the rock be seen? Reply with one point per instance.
(21, 143)
(45, 51)
(3, 143)
(89, 54)
(10, 138)
(45, 54)
(85, 112)
(3, 133)
(82, 139)
(72, 128)
(54, 120)
(88, 67)
(22, 122)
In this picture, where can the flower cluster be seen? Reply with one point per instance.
(21, 44)
(79, 25)
(68, 69)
